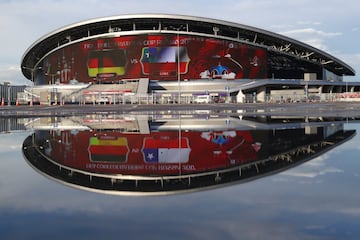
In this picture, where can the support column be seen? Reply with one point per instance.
(320, 89)
(261, 95)
(240, 97)
(321, 94)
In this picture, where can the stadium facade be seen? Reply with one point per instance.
(175, 58)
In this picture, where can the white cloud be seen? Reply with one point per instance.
(308, 23)
(313, 173)
(313, 169)
(11, 142)
(310, 31)
(314, 37)
(352, 211)
(12, 73)
(285, 26)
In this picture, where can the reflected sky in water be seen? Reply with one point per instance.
(316, 200)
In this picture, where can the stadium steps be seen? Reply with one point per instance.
(143, 86)
(104, 89)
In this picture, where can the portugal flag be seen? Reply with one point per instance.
(108, 149)
(166, 150)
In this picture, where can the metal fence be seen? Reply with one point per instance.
(9, 95)
(159, 98)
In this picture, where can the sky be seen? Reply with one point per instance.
(330, 25)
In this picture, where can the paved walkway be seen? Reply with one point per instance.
(333, 109)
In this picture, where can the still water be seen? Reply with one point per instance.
(179, 176)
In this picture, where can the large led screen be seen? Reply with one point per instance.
(157, 57)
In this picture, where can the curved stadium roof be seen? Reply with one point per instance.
(177, 24)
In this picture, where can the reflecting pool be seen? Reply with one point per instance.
(194, 175)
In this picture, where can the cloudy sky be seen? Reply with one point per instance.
(331, 25)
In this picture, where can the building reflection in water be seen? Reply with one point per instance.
(146, 155)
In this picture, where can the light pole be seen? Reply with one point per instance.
(346, 84)
(178, 64)
(178, 58)
(179, 147)
(9, 94)
(7, 84)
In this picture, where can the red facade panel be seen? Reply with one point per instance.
(157, 57)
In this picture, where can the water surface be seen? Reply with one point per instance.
(315, 199)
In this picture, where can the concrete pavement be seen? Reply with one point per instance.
(328, 109)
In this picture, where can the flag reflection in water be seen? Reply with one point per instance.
(165, 150)
(154, 153)
(108, 149)
(167, 160)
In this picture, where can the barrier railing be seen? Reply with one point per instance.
(172, 98)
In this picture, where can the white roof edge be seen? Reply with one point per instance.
(190, 18)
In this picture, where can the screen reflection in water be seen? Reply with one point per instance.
(143, 155)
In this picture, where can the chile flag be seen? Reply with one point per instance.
(166, 150)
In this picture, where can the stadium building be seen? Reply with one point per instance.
(175, 58)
